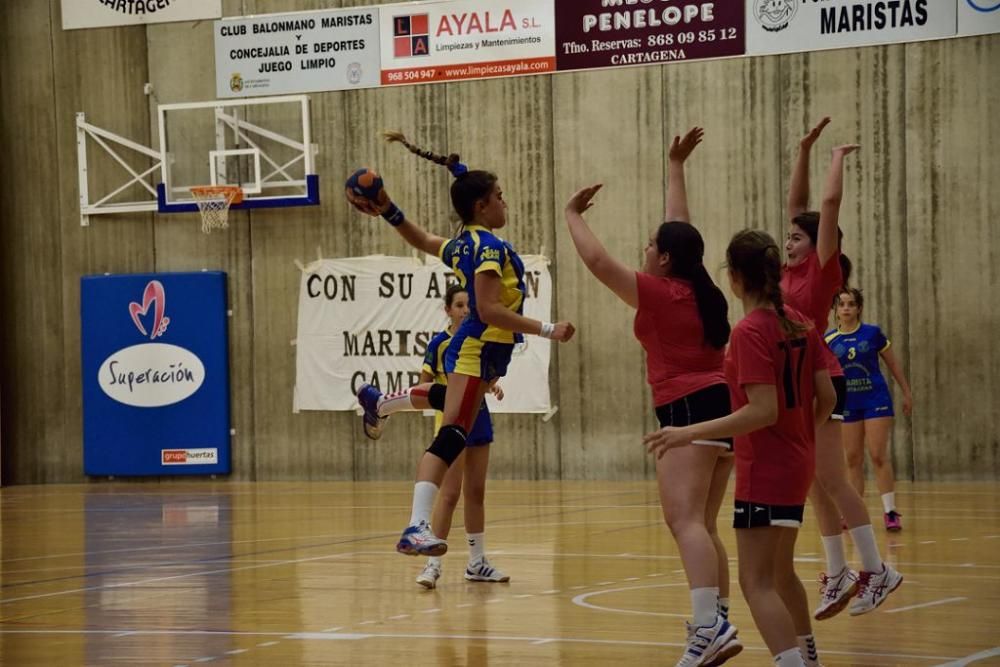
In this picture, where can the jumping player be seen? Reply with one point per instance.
(775, 370)
(480, 350)
(681, 322)
(816, 271)
(868, 415)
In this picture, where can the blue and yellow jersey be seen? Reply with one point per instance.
(858, 353)
(434, 357)
(477, 250)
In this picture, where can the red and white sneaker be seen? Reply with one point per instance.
(874, 588)
(835, 593)
(893, 522)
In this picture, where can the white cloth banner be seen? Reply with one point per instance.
(100, 13)
(369, 319)
(303, 52)
(790, 26)
(978, 17)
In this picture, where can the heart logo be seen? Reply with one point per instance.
(154, 292)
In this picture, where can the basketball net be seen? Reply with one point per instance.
(213, 204)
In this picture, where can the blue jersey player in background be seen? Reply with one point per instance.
(869, 415)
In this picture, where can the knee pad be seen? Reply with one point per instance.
(435, 395)
(449, 443)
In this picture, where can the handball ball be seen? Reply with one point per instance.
(366, 183)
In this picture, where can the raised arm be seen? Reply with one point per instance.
(411, 232)
(897, 373)
(827, 240)
(798, 190)
(680, 149)
(616, 276)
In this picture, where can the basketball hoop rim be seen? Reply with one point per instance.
(232, 193)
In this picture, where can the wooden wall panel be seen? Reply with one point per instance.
(953, 284)
(917, 217)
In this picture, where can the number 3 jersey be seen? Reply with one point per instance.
(775, 465)
(858, 353)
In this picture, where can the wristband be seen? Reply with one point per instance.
(394, 215)
(547, 330)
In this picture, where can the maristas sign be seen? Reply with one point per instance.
(789, 26)
(100, 13)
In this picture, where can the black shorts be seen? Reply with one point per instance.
(748, 514)
(701, 406)
(840, 386)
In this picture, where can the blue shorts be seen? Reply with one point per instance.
(470, 356)
(873, 405)
(482, 429)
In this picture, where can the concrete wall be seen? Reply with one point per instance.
(918, 221)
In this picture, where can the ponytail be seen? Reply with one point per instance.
(686, 248)
(469, 187)
(755, 257)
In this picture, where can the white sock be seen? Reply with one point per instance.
(889, 501)
(435, 561)
(864, 540)
(835, 558)
(790, 658)
(477, 546)
(390, 404)
(807, 645)
(705, 605)
(424, 494)
(724, 608)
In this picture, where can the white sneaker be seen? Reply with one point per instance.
(428, 578)
(835, 593)
(420, 541)
(481, 570)
(874, 588)
(710, 644)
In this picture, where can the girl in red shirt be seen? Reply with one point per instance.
(814, 273)
(780, 388)
(681, 322)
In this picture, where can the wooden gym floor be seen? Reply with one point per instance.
(305, 574)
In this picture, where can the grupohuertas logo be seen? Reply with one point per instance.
(151, 375)
(775, 15)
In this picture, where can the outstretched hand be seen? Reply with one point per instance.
(581, 200)
(810, 139)
(846, 149)
(680, 149)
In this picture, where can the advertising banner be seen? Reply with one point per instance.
(101, 13)
(155, 374)
(369, 319)
(789, 26)
(612, 33)
(978, 17)
(466, 39)
(303, 52)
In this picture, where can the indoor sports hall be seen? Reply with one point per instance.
(432, 333)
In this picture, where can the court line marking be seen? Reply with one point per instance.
(427, 636)
(141, 582)
(925, 604)
(975, 657)
(581, 600)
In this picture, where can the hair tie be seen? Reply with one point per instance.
(457, 169)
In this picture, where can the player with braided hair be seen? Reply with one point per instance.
(481, 349)
(780, 389)
(814, 273)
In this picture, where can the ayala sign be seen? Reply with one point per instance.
(150, 375)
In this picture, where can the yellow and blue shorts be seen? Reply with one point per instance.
(470, 356)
